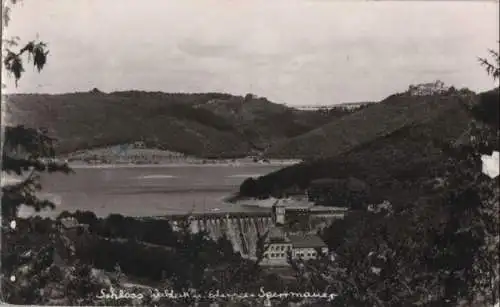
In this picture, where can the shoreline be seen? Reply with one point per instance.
(181, 164)
(267, 203)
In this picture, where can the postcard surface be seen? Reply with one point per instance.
(250, 153)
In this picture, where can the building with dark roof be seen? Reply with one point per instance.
(307, 246)
(306, 241)
(279, 244)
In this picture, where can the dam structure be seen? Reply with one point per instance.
(243, 229)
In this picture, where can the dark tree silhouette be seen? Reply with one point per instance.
(440, 249)
(27, 152)
(492, 68)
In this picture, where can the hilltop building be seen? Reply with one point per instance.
(427, 89)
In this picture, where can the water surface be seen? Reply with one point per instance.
(146, 191)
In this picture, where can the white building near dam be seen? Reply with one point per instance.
(286, 230)
(279, 244)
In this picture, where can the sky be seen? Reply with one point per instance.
(298, 52)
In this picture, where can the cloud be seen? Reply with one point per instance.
(290, 51)
(196, 49)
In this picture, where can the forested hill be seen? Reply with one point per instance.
(397, 158)
(372, 122)
(213, 125)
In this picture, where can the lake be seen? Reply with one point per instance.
(148, 190)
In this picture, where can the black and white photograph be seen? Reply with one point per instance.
(240, 153)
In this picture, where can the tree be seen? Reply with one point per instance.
(492, 68)
(249, 97)
(248, 187)
(27, 152)
(441, 249)
(13, 59)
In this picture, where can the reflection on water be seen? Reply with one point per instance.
(149, 190)
(156, 177)
(244, 176)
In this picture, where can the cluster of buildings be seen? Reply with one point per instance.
(281, 243)
(281, 246)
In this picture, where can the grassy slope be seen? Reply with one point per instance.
(199, 124)
(391, 161)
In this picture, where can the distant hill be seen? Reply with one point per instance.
(214, 125)
(396, 147)
(347, 105)
(364, 126)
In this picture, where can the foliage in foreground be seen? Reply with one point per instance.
(438, 250)
(435, 251)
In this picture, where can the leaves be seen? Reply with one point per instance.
(29, 253)
(14, 64)
(27, 151)
(30, 151)
(6, 11)
(40, 55)
(440, 249)
(492, 68)
(12, 42)
(13, 61)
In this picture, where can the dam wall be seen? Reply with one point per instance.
(242, 229)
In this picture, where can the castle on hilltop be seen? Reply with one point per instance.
(428, 89)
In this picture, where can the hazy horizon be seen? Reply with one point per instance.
(296, 52)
